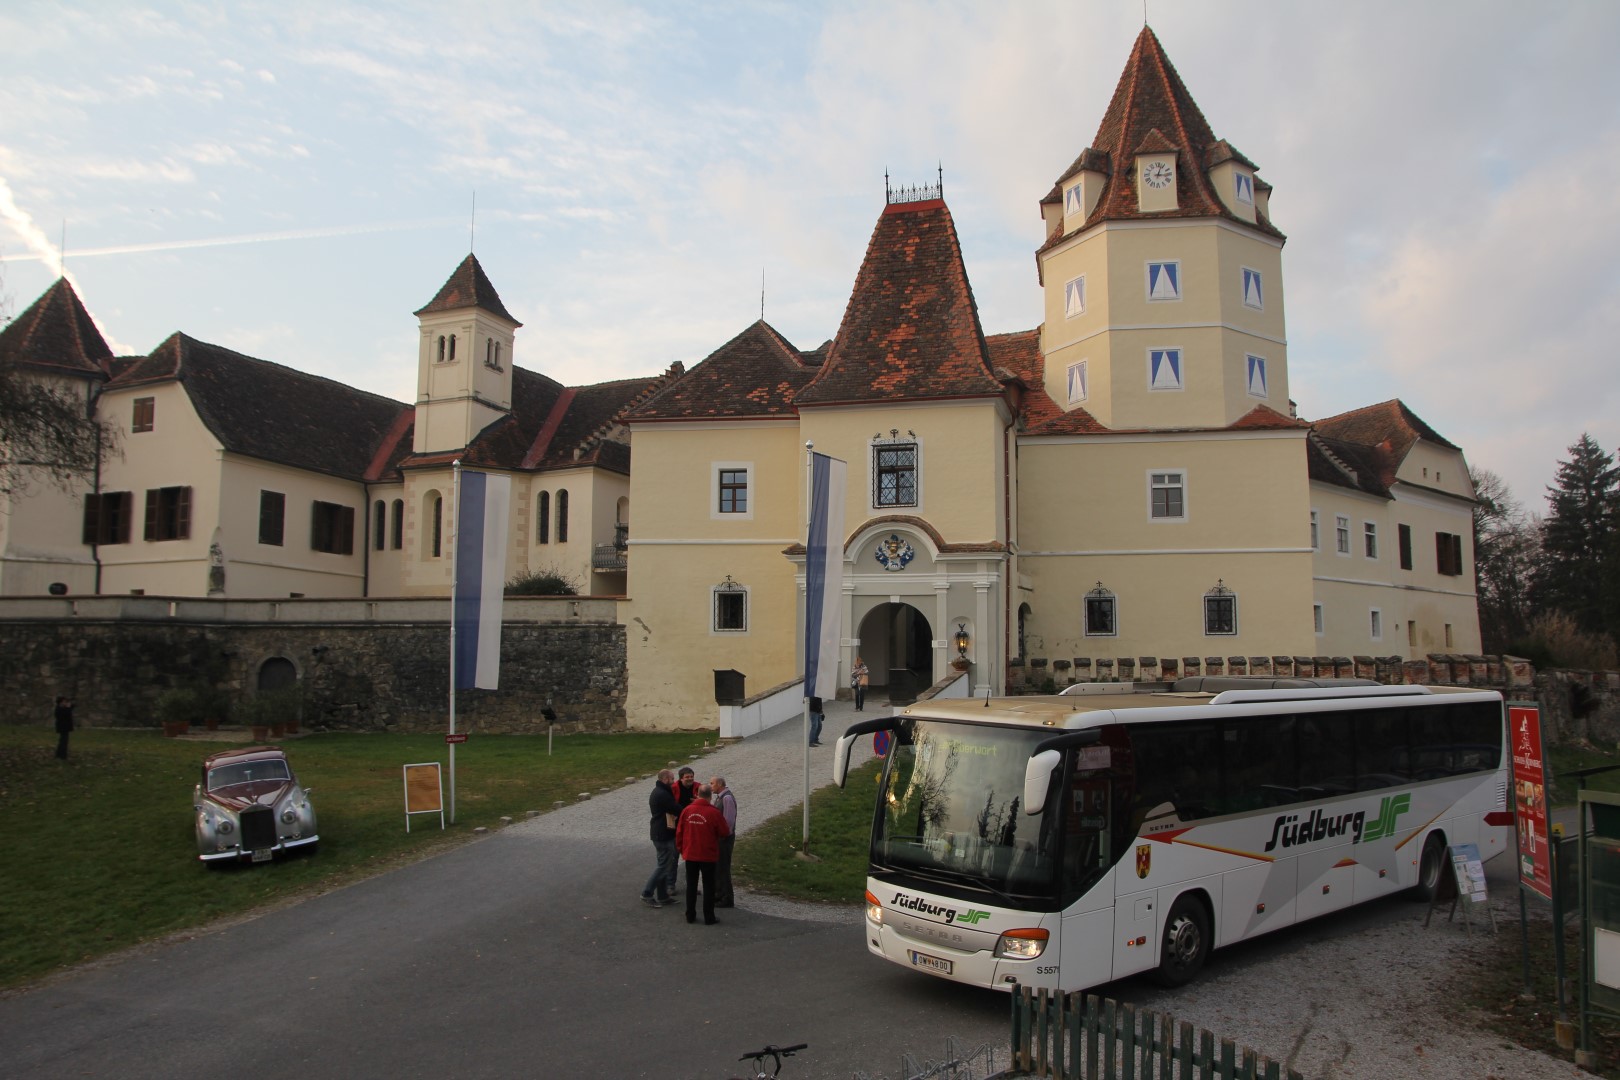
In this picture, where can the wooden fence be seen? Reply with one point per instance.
(1084, 1037)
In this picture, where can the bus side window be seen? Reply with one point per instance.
(1383, 749)
(1259, 763)
(1327, 754)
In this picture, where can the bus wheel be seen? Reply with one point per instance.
(1186, 943)
(1429, 868)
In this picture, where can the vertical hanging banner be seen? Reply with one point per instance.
(1530, 798)
(824, 575)
(481, 525)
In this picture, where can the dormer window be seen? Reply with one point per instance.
(1074, 200)
(1156, 177)
(1074, 297)
(1164, 280)
(1243, 188)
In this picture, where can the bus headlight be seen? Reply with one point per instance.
(874, 908)
(1021, 944)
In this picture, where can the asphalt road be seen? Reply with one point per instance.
(529, 954)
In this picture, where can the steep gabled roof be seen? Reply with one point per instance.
(1152, 112)
(911, 330)
(469, 286)
(755, 375)
(1389, 424)
(1348, 465)
(273, 413)
(56, 334)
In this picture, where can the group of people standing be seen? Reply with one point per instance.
(696, 823)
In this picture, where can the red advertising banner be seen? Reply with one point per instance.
(1530, 798)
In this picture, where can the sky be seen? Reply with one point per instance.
(292, 180)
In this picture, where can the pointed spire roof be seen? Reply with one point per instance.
(56, 334)
(1151, 112)
(468, 287)
(911, 330)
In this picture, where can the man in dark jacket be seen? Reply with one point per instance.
(64, 725)
(698, 833)
(660, 887)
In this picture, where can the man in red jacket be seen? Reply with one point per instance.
(698, 834)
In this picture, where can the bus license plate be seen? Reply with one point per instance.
(931, 963)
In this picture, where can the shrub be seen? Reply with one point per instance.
(182, 704)
(1554, 640)
(269, 708)
(550, 581)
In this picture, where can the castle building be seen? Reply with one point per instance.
(1126, 479)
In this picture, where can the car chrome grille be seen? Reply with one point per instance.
(258, 828)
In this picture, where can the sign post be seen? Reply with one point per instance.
(1530, 799)
(424, 792)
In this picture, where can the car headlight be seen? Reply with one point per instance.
(1021, 944)
(288, 816)
(874, 909)
(225, 826)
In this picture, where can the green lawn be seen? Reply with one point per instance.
(766, 858)
(99, 853)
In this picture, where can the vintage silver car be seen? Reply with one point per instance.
(249, 806)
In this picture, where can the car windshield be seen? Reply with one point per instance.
(247, 772)
(952, 808)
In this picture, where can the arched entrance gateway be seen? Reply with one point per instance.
(909, 598)
(897, 645)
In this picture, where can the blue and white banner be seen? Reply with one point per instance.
(483, 503)
(824, 575)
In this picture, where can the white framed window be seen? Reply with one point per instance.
(1243, 188)
(1253, 290)
(1341, 534)
(1164, 280)
(1079, 382)
(1411, 633)
(1074, 297)
(1369, 539)
(1257, 376)
(1316, 619)
(1220, 611)
(1167, 496)
(1448, 636)
(1164, 369)
(1375, 623)
(896, 471)
(1101, 613)
(1074, 199)
(731, 490)
(1316, 530)
(729, 607)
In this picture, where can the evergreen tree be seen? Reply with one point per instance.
(1578, 535)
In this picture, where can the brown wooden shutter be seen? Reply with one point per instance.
(92, 519)
(345, 545)
(151, 513)
(182, 513)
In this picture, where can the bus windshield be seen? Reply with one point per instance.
(951, 811)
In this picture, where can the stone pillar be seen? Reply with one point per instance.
(1260, 665)
(1105, 670)
(1148, 666)
(1417, 672)
(1214, 665)
(1305, 667)
(1168, 666)
(1060, 673)
(1282, 666)
(1193, 666)
(1238, 665)
(1082, 669)
(1366, 667)
(1127, 668)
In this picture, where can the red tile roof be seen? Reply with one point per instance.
(56, 334)
(1152, 112)
(1389, 423)
(911, 330)
(469, 286)
(755, 375)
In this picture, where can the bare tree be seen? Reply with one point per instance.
(1507, 547)
(47, 433)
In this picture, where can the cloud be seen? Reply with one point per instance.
(35, 239)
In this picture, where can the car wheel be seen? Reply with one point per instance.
(1430, 865)
(1186, 943)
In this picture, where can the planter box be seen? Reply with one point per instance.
(261, 732)
(175, 728)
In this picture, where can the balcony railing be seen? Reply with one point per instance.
(608, 558)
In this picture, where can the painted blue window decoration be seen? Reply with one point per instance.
(1073, 200)
(1074, 297)
(1164, 369)
(1257, 376)
(1077, 382)
(1164, 280)
(894, 552)
(1245, 188)
(1252, 295)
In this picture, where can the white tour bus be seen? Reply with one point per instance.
(1067, 841)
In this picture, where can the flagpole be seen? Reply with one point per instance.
(455, 510)
(809, 487)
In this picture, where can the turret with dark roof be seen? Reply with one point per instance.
(469, 286)
(57, 335)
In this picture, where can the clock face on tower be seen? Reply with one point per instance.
(1157, 174)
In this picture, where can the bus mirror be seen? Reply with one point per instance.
(1038, 777)
(841, 758)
